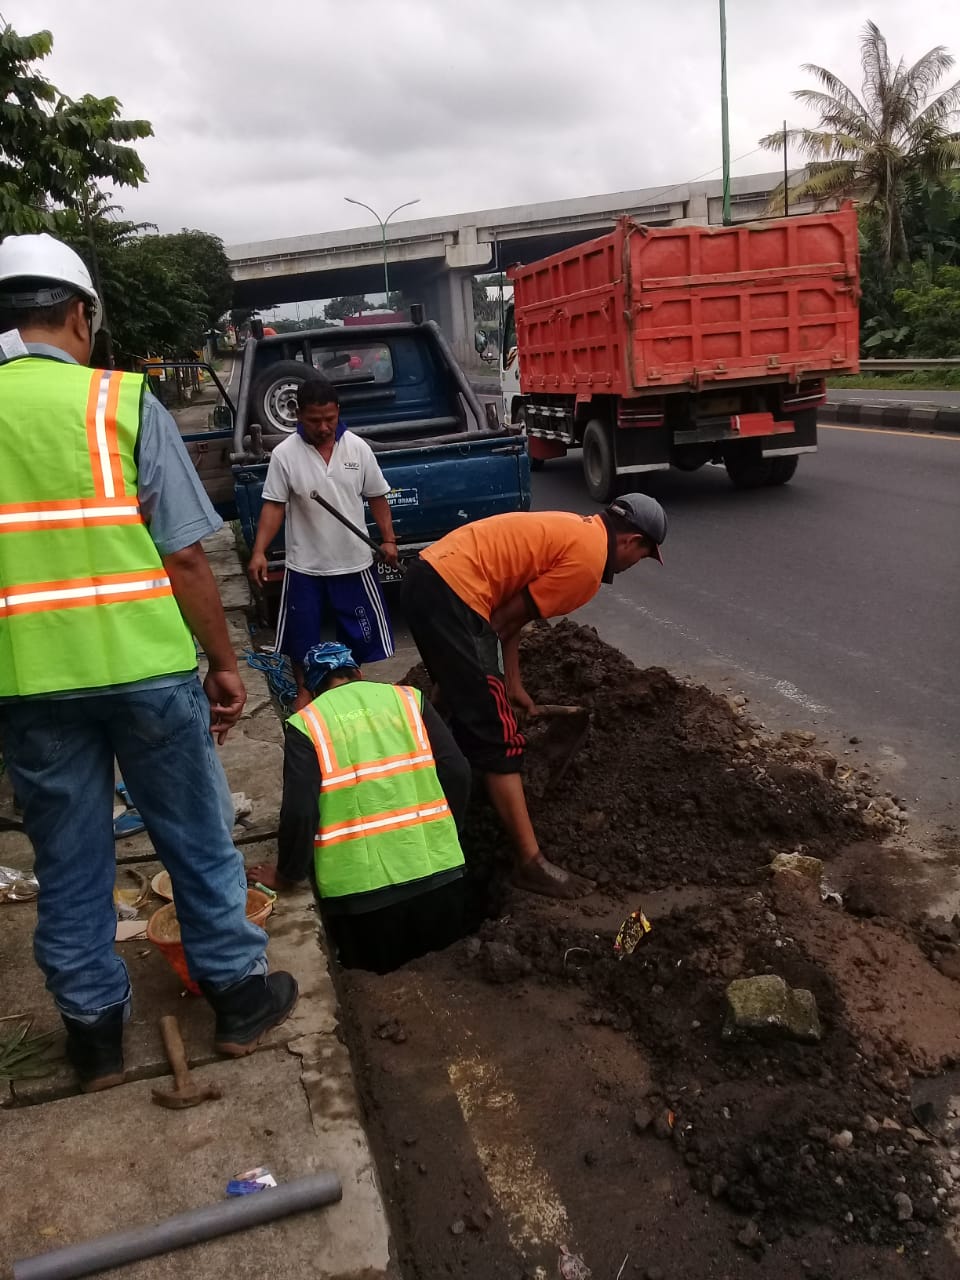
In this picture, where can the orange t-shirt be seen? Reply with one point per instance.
(558, 556)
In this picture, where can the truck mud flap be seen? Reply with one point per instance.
(641, 449)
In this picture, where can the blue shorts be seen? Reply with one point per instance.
(359, 614)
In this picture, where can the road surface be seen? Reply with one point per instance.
(916, 395)
(832, 603)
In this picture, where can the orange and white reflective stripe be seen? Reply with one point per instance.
(68, 513)
(371, 769)
(408, 700)
(321, 739)
(412, 816)
(110, 588)
(104, 394)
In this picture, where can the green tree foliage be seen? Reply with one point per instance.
(157, 299)
(202, 257)
(53, 147)
(931, 310)
(898, 130)
(896, 300)
(351, 305)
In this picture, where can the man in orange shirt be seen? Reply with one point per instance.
(466, 601)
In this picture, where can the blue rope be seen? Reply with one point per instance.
(276, 667)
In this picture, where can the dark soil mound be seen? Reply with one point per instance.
(660, 784)
(757, 1122)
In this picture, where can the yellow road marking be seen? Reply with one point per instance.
(885, 431)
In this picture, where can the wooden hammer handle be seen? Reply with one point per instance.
(176, 1054)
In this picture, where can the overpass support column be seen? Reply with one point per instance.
(448, 299)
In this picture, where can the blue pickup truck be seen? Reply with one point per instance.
(402, 390)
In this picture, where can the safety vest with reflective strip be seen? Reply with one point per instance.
(384, 819)
(85, 602)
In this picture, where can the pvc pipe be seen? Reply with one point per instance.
(220, 1219)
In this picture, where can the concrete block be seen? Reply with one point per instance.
(948, 419)
(766, 1006)
(797, 864)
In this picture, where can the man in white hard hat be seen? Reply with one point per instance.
(467, 600)
(103, 585)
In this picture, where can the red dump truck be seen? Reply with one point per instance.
(658, 347)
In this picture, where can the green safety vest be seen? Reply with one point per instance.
(85, 602)
(384, 819)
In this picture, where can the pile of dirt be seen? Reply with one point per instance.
(676, 790)
(661, 793)
(790, 1134)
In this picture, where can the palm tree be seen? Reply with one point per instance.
(868, 147)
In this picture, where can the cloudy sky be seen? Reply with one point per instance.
(267, 114)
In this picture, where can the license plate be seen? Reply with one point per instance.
(386, 573)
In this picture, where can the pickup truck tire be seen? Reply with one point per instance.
(599, 464)
(782, 469)
(750, 473)
(274, 398)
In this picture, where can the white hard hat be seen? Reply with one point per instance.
(41, 257)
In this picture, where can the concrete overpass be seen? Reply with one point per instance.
(433, 260)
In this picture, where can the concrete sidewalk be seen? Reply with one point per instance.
(76, 1167)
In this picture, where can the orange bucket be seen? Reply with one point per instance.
(163, 930)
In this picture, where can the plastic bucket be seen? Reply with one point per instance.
(163, 930)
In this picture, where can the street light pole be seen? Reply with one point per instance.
(724, 115)
(383, 234)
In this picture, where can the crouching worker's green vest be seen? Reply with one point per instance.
(384, 820)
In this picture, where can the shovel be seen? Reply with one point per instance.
(563, 734)
(359, 533)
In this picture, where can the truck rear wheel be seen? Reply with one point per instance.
(599, 466)
(749, 472)
(782, 469)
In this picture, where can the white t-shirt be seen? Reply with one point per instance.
(316, 542)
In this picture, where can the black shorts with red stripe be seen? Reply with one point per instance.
(462, 654)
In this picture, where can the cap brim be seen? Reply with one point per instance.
(657, 553)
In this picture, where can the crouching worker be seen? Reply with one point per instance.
(374, 791)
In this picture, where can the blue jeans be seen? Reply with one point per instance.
(60, 753)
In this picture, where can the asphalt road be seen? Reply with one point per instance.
(916, 395)
(833, 603)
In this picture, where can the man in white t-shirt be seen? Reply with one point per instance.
(327, 566)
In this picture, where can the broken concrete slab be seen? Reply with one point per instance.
(765, 1005)
(797, 864)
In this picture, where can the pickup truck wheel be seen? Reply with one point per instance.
(599, 468)
(749, 473)
(782, 469)
(274, 400)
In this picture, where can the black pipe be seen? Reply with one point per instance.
(220, 1219)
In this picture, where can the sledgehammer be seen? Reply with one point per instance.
(185, 1092)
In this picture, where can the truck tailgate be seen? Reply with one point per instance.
(689, 306)
(434, 488)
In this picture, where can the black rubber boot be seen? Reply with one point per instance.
(249, 1009)
(95, 1051)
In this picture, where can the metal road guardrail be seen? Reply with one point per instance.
(907, 366)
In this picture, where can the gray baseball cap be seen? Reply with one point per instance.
(645, 514)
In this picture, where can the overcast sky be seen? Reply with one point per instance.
(267, 114)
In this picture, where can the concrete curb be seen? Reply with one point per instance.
(903, 415)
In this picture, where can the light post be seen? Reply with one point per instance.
(383, 232)
(724, 115)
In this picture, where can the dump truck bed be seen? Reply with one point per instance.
(684, 307)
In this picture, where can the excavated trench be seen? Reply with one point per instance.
(533, 1089)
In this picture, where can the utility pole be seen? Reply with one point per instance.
(786, 175)
(383, 234)
(105, 336)
(724, 115)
